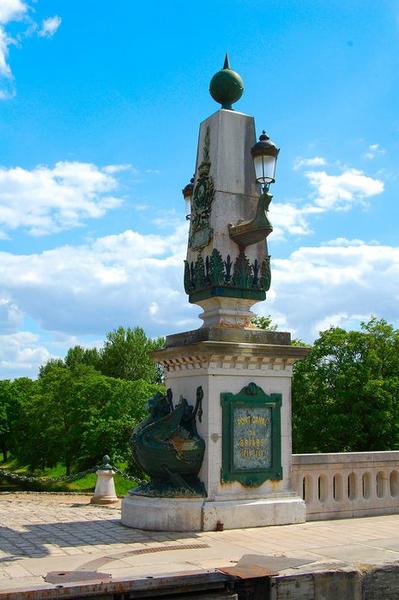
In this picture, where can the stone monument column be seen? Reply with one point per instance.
(240, 375)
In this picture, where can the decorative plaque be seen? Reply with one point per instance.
(251, 450)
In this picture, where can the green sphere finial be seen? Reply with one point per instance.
(226, 86)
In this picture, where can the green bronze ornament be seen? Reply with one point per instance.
(226, 86)
(251, 446)
(216, 269)
(168, 448)
(200, 231)
(266, 274)
(243, 272)
(217, 277)
(199, 272)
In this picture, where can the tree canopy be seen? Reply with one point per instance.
(127, 355)
(345, 394)
(76, 416)
(83, 406)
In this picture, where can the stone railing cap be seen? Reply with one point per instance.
(345, 457)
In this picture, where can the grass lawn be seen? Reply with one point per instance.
(84, 485)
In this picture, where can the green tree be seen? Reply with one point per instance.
(49, 365)
(14, 396)
(346, 391)
(109, 427)
(77, 415)
(264, 322)
(83, 406)
(56, 419)
(5, 424)
(78, 355)
(127, 355)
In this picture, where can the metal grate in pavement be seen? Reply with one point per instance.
(97, 563)
(165, 548)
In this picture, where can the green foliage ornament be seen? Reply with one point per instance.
(215, 276)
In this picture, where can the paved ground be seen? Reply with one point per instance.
(45, 533)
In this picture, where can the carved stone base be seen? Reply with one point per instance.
(184, 514)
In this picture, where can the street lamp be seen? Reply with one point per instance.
(187, 195)
(264, 154)
(252, 231)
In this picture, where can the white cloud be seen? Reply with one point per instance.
(10, 315)
(11, 11)
(127, 279)
(5, 70)
(46, 200)
(373, 151)
(21, 354)
(341, 319)
(315, 283)
(288, 218)
(329, 193)
(342, 241)
(316, 161)
(49, 26)
(341, 192)
(112, 169)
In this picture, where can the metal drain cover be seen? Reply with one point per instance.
(60, 577)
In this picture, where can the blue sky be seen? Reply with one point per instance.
(100, 105)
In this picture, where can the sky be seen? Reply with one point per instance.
(100, 105)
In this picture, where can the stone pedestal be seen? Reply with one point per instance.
(104, 492)
(223, 362)
(162, 514)
(196, 514)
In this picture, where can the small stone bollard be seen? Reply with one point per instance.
(104, 492)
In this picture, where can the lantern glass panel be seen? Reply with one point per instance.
(265, 167)
(187, 201)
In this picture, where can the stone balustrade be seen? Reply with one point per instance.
(352, 484)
